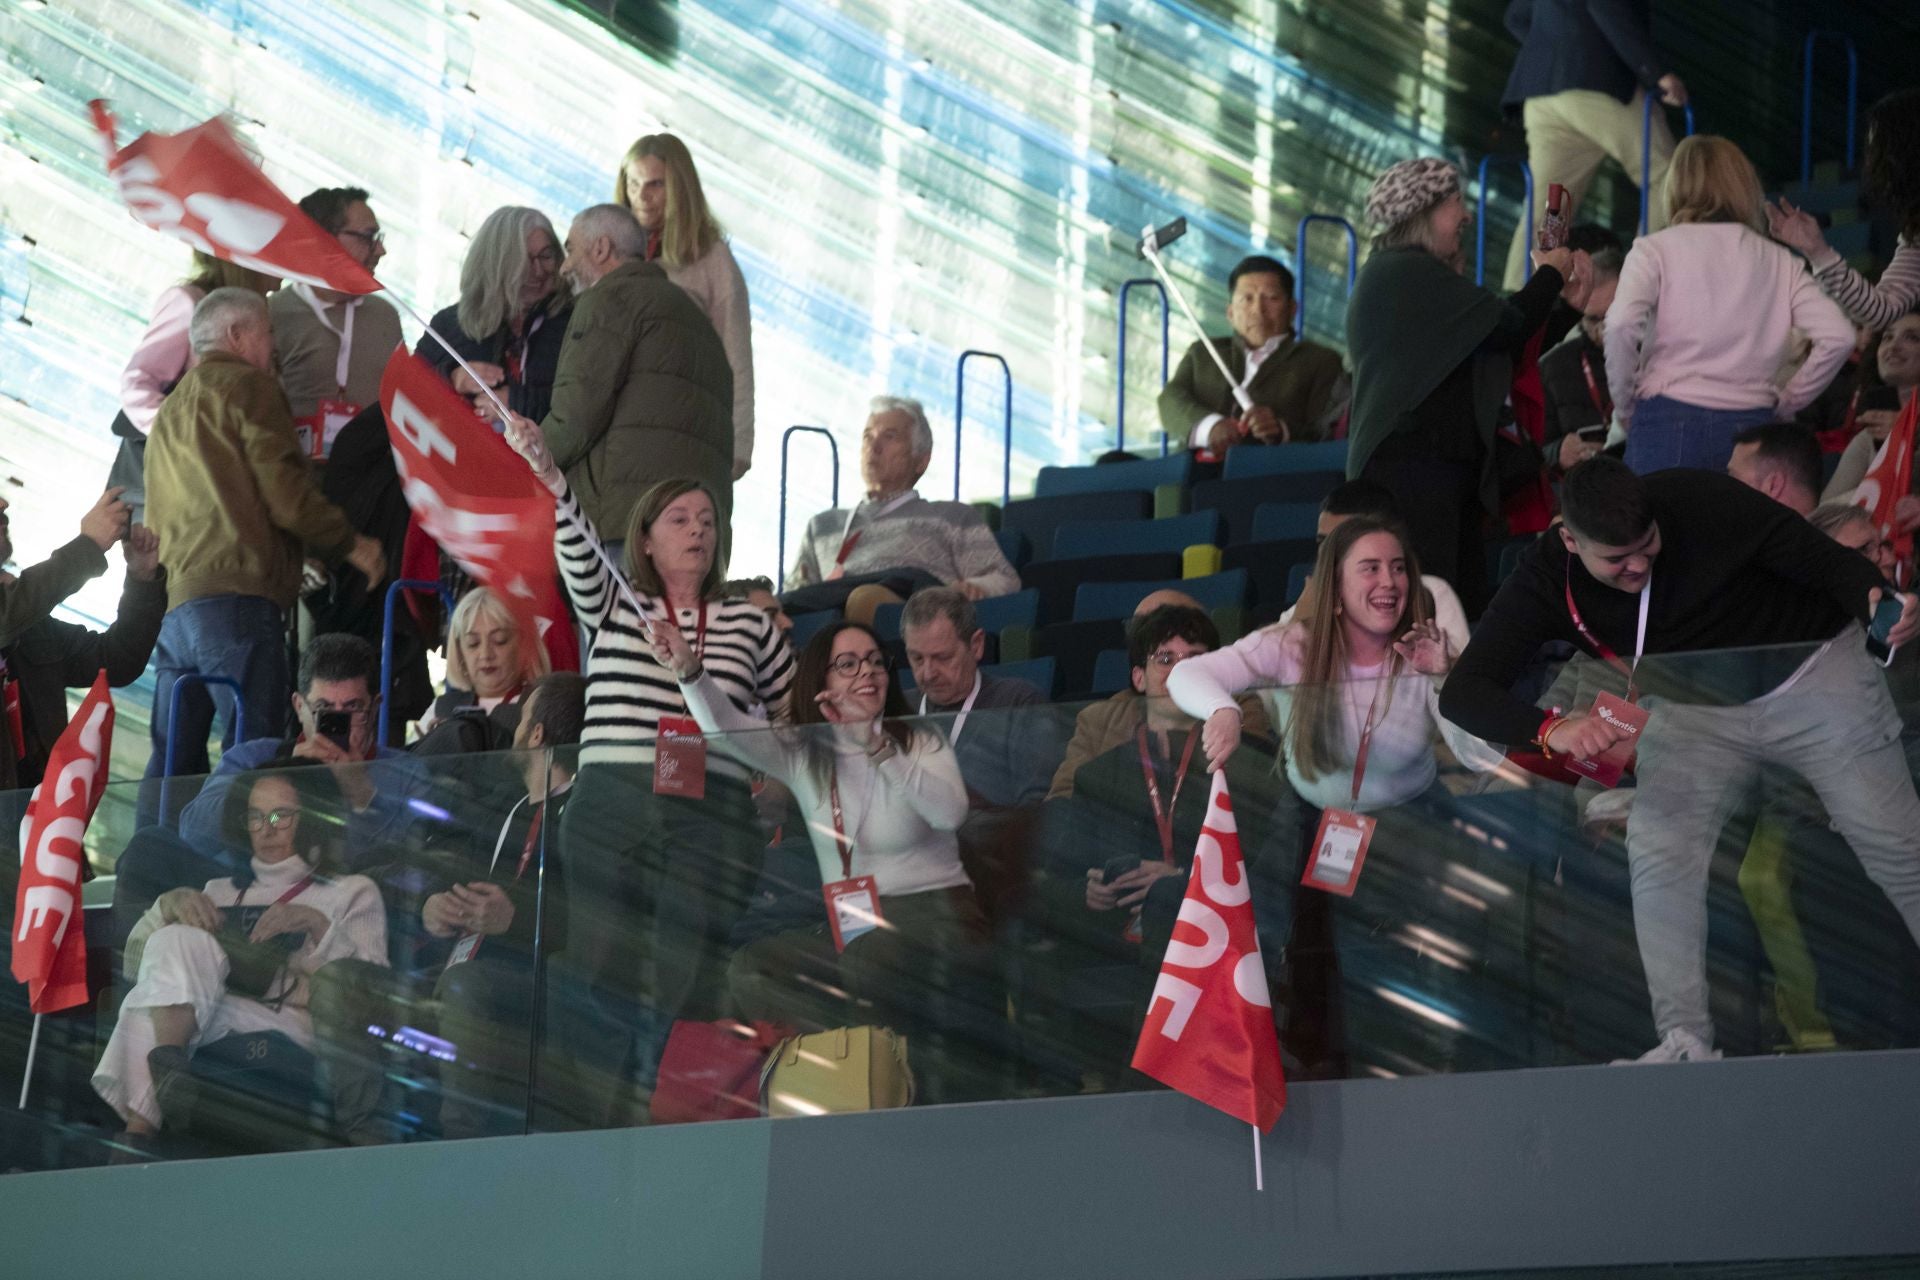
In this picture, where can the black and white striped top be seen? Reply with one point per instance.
(1874, 305)
(627, 690)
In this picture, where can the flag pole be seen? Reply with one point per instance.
(1259, 1174)
(33, 1048)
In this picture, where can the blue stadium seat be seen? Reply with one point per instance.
(1075, 647)
(1037, 672)
(1035, 519)
(1013, 546)
(1237, 500)
(806, 624)
(1115, 477)
(1273, 521)
(994, 614)
(1080, 538)
(1297, 583)
(1111, 672)
(1250, 460)
(1268, 565)
(1057, 580)
(1098, 600)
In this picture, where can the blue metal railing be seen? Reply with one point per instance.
(1806, 97)
(1480, 213)
(180, 686)
(1646, 154)
(1166, 356)
(1300, 261)
(386, 641)
(786, 438)
(960, 420)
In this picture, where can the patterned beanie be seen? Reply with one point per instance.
(1410, 187)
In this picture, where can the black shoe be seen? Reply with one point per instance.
(175, 1089)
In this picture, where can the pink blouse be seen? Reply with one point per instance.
(162, 357)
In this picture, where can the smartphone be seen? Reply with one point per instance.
(1117, 868)
(1886, 615)
(1553, 228)
(336, 727)
(1593, 435)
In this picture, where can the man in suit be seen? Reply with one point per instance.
(1298, 388)
(1580, 84)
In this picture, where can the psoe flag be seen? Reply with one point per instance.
(1889, 479)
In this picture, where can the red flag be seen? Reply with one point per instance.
(201, 186)
(49, 941)
(475, 497)
(1890, 479)
(1209, 1029)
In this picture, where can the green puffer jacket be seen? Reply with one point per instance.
(643, 393)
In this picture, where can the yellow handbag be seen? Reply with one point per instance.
(845, 1069)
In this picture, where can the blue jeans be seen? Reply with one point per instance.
(243, 638)
(1667, 433)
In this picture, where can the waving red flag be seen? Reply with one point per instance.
(1890, 479)
(49, 942)
(201, 186)
(1209, 1029)
(475, 497)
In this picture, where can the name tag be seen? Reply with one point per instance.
(319, 429)
(680, 759)
(1339, 851)
(464, 950)
(1607, 767)
(853, 908)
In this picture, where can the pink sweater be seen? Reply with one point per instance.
(1705, 315)
(162, 358)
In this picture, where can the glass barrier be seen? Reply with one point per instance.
(592, 937)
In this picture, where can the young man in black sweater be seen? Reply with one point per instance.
(1697, 563)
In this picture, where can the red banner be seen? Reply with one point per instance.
(1209, 1028)
(49, 939)
(475, 497)
(1890, 479)
(202, 187)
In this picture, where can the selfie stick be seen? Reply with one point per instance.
(33, 1048)
(1151, 242)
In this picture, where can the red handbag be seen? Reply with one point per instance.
(711, 1070)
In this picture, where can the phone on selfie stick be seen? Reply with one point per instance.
(1886, 615)
(1553, 228)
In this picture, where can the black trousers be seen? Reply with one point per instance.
(1440, 504)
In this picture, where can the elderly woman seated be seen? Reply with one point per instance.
(493, 658)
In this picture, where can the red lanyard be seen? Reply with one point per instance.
(533, 838)
(288, 896)
(1163, 817)
(840, 826)
(1366, 730)
(700, 629)
(1601, 647)
(1601, 401)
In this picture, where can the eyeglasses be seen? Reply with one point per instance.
(1168, 658)
(374, 239)
(258, 821)
(848, 665)
(545, 258)
(358, 711)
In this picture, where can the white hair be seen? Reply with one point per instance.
(221, 312)
(618, 225)
(916, 418)
(496, 267)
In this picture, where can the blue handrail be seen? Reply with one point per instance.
(1166, 354)
(180, 686)
(386, 641)
(1480, 215)
(1300, 261)
(960, 420)
(786, 438)
(1806, 97)
(1646, 154)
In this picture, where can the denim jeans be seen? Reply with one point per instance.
(243, 638)
(1667, 433)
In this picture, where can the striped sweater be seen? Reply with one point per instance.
(628, 691)
(1875, 306)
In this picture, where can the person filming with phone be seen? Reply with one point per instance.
(1675, 566)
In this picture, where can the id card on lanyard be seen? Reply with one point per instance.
(1626, 714)
(469, 944)
(853, 902)
(319, 429)
(1340, 845)
(680, 752)
(849, 539)
(1162, 814)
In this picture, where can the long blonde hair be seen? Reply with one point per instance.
(1711, 180)
(479, 609)
(1316, 733)
(688, 232)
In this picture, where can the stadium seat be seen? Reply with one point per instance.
(1079, 538)
(1075, 647)
(806, 624)
(1115, 477)
(1297, 583)
(1037, 672)
(1237, 500)
(1098, 600)
(1035, 519)
(1268, 565)
(1111, 672)
(994, 614)
(1013, 546)
(1248, 461)
(1273, 521)
(1057, 580)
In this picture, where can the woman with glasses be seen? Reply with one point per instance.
(240, 955)
(657, 180)
(512, 315)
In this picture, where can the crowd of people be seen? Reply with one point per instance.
(711, 823)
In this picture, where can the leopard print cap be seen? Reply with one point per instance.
(1410, 187)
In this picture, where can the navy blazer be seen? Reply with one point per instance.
(1602, 45)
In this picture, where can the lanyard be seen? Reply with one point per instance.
(840, 841)
(1163, 817)
(959, 721)
(700, 628)
(849, 539)
(344, 333)
(288, 896)
(1847, 427)
(1380, 681)
(1607, 655)
(526, 850)
(1600, 399)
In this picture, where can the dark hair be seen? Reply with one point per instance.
(1260, 265)
(810, 681)
(1604, 501)
(336, 656)
(1168, 622)
(322, 815)
(1591, 237)
(653, 500)
(1792, 448)
(741, 588)
(1891, 168)
(1115, 455)
(559, 703)
(1608, 259)
(1361, 497)
(328, 206)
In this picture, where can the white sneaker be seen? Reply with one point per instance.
(1678, 1045)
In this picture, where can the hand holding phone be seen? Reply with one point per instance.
(1886, 616)
(336, 727)
(1554, 227)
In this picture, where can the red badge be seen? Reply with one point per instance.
(680, 760)
(853, 908)
(1339, 851)
(1607, 767)
(319, 429)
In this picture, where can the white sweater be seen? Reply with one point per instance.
(901, 814)
(1400, 763)
(715, 282)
